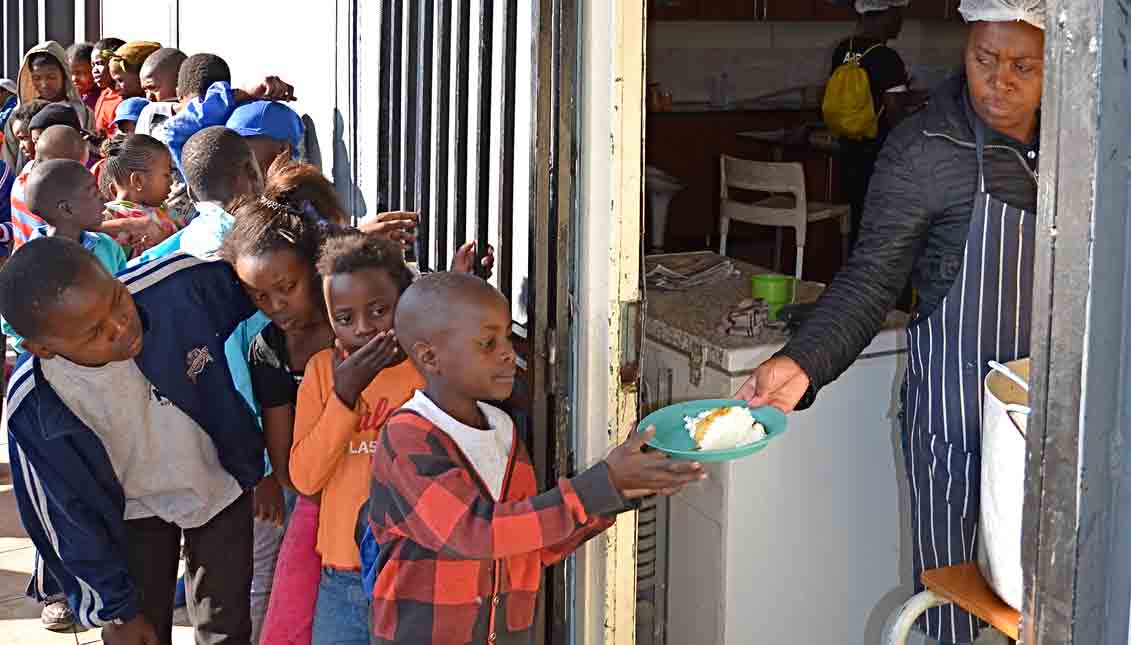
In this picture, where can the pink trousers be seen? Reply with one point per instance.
(290, 613)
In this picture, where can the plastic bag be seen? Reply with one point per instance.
(1030, 11)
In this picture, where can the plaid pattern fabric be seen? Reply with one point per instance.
(455, 565)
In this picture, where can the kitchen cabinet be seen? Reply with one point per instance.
(812, 526)
(825, 11)
(745, 10)
(702, 9)
(787, 9)
(673, 9)
(727, 10)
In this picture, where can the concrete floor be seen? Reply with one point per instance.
(19, 615)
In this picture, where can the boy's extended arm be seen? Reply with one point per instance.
(433, 501)
(596, 526)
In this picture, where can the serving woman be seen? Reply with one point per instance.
(950, 206)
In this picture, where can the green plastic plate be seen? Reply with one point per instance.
(672, 438)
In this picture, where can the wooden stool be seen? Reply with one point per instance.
(962, 585)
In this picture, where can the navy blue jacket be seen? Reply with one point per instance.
(70, 500)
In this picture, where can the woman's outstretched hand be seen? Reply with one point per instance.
(779, 382)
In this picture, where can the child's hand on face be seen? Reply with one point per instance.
(637, 473)
(354, 372)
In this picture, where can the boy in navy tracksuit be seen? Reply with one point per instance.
(125, 432)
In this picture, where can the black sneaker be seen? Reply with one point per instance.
(57, 616)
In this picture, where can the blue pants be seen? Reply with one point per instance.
(342, 614)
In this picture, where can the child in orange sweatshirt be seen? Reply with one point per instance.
(347, 394)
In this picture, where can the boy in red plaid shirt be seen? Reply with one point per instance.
(463, 533)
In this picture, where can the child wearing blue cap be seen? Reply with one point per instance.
(217, 105)
(271, 129)
(127, 114)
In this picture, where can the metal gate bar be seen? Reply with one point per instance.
(423, 147)
(483, 141)
(506, 146)
(443, 135)
(410, 106)
(394, 105)
(461, 64)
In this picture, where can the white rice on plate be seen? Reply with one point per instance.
(724, 428)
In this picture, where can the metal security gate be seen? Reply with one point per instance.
(464, 111)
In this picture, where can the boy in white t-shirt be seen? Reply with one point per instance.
(454, 502)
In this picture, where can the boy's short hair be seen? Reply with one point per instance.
(199, 72)
(51, 182)
(60, 142)
(79, 52)
(167, 60)
(355, 251)
(34, 279)
(26, 111)
(433, 302)
(213, 160)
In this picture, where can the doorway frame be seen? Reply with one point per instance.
(1075, 547)
(1075, 544)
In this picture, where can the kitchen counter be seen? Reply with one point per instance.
(806, 542)
(689, 320)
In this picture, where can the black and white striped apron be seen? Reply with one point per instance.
(985, 316)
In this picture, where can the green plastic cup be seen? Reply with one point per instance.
(775, 290)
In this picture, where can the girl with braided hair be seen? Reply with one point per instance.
(274, 246)
(137, 173)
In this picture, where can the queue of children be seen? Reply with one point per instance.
(248, 381)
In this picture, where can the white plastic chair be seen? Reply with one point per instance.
(786, 207)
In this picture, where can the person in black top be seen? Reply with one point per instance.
(880, 21)
(952, 207)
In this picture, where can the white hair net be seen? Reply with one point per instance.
(868, 6)
(1030, 11)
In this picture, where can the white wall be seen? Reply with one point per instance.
(150, 20)
(765, 57)
(294, 39)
